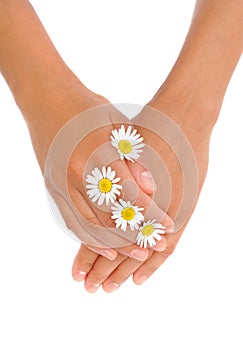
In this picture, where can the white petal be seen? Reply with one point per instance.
(107, 198)
(116, 216)
(116, 180)
(104, 172)
(128, 158)
(124, 204)
(122, 132)
(108, 173)
(137, 137)
(157, 236)
(124, 225)
(91, 186)
(101, 199)
(136, 147)
(112, 197)
(97, 173)
(145, 241)
(151, 241)
(160, 231)
(112, 175)
(114, 190)
(117, 186)
(128, 131)
(115, 134)
(114, 143)
(92, 192)
(133, 133)
(117, 206)
(96, 197)
(92, 180)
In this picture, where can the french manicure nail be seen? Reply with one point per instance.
(160, 247)
(170, 229)
(141, 279)
(108, 254)
(92, 287)
(79, 276)
(112, 286)
(146, 175)
(139, 254)
(147, 179)
(168, 222)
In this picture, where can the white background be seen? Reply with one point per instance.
(123, 50)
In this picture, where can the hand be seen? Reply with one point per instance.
(97, 270)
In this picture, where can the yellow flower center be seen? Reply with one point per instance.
(105, 185)
(125, 146)
(148, 230)
(128, 214)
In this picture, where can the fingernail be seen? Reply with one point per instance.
(160, 246)
(141, 279)
(79, 276)
(108, 254)
(139, 254)
(147, 180)
(92, 287)
(170, 229)
(146, 175)
(168, 223)
(112, 286)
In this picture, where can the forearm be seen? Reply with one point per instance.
(29, 61)
(209, 56)
(47, 92)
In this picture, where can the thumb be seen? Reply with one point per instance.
(143, 177)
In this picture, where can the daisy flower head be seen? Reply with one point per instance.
(124, 213)
(102, 185)
(148, 232)
(128, 144)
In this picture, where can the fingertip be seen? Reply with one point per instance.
(110, 254)
(168, 223)
(160, 245)
(147, 182)
(79, 276)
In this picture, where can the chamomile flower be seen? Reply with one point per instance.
(148, 232)
(102, 185)
(126, 214)
(128, 144)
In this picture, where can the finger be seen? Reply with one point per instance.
(156, 260)
(100, 271)
(121, 274)
(108, 253)
(143, 177)
(74, 226)
(131, 192)
(83, 263)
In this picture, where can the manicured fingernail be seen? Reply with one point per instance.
(147, 180)
(108, 254)
(160, 246)
(168, 223)
(170, 229)
(141, 279)
(112, 286)
(79, 276)
(92, 287)
(146, 176)
(139, 254)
